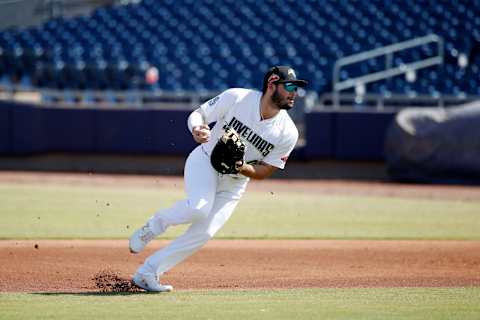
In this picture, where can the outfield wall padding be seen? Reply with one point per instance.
(361, 135)
(67, 131)
(170, 134)
(142, 132)
(5, 128)
(28, 133)
(123, 131)
(319, 134)
(27, 129)
(346, 135)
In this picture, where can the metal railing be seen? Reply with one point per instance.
(390, 70)
(380, 102)
(112, 99)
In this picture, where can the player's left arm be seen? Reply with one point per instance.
(257, 171)
(275, 160)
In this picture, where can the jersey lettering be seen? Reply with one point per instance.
(262, 145)
(212, 101)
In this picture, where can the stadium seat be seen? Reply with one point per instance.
(211, 45)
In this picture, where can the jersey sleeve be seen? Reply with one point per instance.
(279, 155)
(216, 108)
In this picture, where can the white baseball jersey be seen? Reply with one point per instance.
(212, 198)
(270, 140)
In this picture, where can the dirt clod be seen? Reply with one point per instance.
(110, 281)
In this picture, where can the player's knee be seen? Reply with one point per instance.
(200, 214)
(200, 211)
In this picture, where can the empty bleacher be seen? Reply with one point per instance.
(208, 45)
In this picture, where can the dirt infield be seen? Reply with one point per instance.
(70, 266)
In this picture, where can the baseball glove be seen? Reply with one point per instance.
(227, 152)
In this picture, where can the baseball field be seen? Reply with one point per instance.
(293, 249)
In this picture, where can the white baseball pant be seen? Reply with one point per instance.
(211, 200)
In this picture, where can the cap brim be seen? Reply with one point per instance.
(300, 83)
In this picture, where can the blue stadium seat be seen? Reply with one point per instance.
(193, 40)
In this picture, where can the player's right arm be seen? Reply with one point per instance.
(199, 129)
(213, 110)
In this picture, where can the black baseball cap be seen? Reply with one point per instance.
(286, 74)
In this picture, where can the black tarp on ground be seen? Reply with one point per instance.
(435, 145)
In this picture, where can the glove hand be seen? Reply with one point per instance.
(239, 165)
(228, 154)
(201, 134)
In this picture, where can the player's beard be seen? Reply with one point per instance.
(280, 102)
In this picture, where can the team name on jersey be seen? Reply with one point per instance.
(262, 145)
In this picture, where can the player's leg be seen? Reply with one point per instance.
(192, 240)
(200, 184)
(229, 192)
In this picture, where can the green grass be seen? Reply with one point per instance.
(33, 211)
(335, 304)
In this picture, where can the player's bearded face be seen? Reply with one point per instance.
(282, 101)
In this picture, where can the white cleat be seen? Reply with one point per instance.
(140, 239)
(149, 282)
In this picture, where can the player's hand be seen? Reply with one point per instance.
(201, 134)
(239, 165)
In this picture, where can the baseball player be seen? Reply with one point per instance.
(260, 123)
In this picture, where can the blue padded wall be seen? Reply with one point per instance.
(28, 129)
(361, 135)
(128, 131)
(51, 129)
(319, 134)
(68, 130)
(5, 127)
(170, 132)
(28, 135)
(142, 132)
